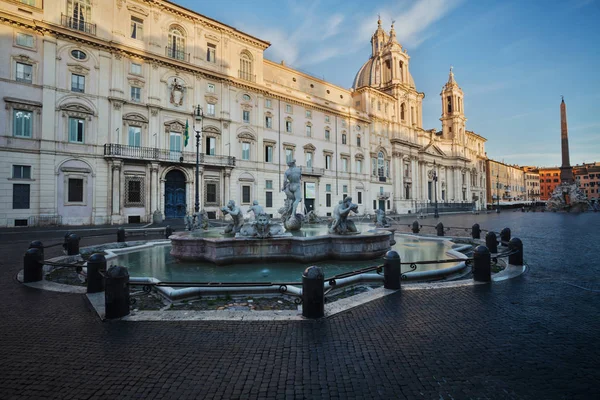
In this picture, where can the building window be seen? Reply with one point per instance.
(210, 110)
(268, 184)
(21, 172)
(76, 130)
(136, 94)
(245, 151)
(268, 103)
(328, 187)
(22, 123)
(211, 146)
(309, 158)
(327, 118)
(328, 200)
(134, 191)
(135, 69)
(245, 194)
(327, 134)
(211, 193)
(137, 27)
(268, 122)
(343, 138)
(359, 198)
(327, 161)
(308, 131)
(308, 114)
(288, 108)
(246, 67)
(288, 126)
(211, 53)
(389, 204)
(374, 204)
(359, 166)
(402, 112)
(24, 73)
(176, 44)
(77, 83)
(246, 97)
(344, 188)
(449, 103)
(175, 145)
(380, 165)
(24, 40)
(79, 12)
(135, 136)
(210, 88)
(75, 190)
(358, 141)
(269, 154)
(246, 116)
(269, 199)
(21, 196)
(344, 164)
(289, 155)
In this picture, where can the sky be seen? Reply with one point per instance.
(513, 60)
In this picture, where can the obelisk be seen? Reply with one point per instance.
(566, 172)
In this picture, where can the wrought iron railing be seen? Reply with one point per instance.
(172, 52)
(247, 76)
(152, 153)
(77, 24)
(429, 207)
(313, 171)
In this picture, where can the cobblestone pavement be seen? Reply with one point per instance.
(533, 337)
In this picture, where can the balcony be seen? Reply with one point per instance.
(113, 150)
(77, 24)
(247, 76)
(382, 179)
(383, 195)
(175, 54)
(313, 171)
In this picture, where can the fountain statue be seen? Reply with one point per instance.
(312, 218)
(293, 190)
(261, 228)
(196, 221)
(236, 214)
(341, 225)
(567, 197)
(381, 220)
(256, 209)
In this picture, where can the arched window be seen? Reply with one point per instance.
(343, 138)
(380, 164)
(176, 46)
(401, 71)
(78, 12)
(402, 111)
(245, 71)
(358, 141)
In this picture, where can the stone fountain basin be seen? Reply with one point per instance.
(186, 246)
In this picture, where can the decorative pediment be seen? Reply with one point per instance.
(269, 114)
(310, 147)
(212, 37)
(433, 149)
(328, 152)
(135, 119)
(21, 104)
(246, 177)
(174, 126)
(211, 98)
(137, 82)
(246, 136)
(78, 69)
(246, 107)
(137, 10)
(345, 155)
(74, 109)
(269, 141)
(289, 145)
(211, 130)
(359, 156)
(289, 119)
(308, 124)
(24, 58)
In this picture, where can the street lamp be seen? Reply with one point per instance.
(498, 191)
(435, 179)
(198, 117)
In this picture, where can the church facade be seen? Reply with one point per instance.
(100, 121)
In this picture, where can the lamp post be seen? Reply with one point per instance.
(198, 117)
(498, 192)
(435, 179)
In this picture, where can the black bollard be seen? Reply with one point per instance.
(415, 227)
(391, 270)
(116, 294)
(96, 266)
(476, 231)
(516, 245)
(72, 244)
(491, 242)
(121, 235)
(33, 264)
(313, 293)
(36, 244)
(482, 269)
(440, 229)
(168, 231)
(505, 236)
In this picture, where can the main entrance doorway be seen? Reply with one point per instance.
(382, 205)
(309, 196)
(175, 195)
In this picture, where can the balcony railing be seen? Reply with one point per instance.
(313, 171)
(151, 153)
(172, 52)
(383, 195)
(77, 24)
(247, 76)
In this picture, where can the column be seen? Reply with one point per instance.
(154, 187)
(116, 188)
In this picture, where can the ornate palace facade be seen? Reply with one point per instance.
(97, 96)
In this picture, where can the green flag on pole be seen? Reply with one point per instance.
(186, 134)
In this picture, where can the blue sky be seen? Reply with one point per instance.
(513, 60)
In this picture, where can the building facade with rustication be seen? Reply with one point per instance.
(97, 96)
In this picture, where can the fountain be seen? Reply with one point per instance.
(262, 240)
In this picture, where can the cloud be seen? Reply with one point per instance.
(475, 90)
(584, 127)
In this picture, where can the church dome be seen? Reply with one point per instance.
(370, 74)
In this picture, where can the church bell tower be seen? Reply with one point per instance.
(453, 116)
